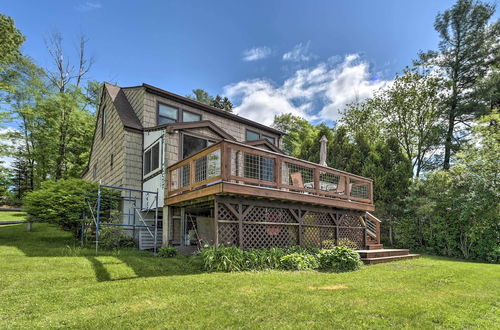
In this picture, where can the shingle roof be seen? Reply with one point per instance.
(123, 107)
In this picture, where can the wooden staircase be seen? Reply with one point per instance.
(374, 252)
(377, 256)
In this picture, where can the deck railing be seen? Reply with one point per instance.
(234, 162)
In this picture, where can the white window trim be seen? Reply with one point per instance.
(160, 159)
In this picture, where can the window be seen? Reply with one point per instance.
(193, 144)
(252, 136)
(270, 139)
(94, 171)
(166, 114)
(111, 161)
(152, 158)
(103, 122)
(190, 116)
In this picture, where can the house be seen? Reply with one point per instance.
(221, 178)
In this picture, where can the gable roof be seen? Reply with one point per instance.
(195, 124)
(208, 108)
(264, 142)
(123, 107)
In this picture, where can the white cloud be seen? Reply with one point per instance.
(88, 6)
(299, 53)
(256, 53)
(316, 93)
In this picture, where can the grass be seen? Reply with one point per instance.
(12, 216)
(48, 281)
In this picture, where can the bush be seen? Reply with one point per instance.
(223, 259)
(299, 261)
(114, 238)
(62, 203)
(339, 259)
(167, 252)
(231, 259)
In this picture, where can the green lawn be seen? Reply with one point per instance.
(46, 281)
(12, 216)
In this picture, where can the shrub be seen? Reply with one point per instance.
(167, 252)
(62, 203)
(298, 261)
(339, 259)
(113, 238)
(223, 259)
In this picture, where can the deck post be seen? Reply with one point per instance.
(240, 225)
(183, 226)
(216, 223)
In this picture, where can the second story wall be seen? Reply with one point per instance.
(230, 125)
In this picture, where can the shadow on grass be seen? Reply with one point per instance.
(49, 241)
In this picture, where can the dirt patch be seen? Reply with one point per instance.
(329, 287)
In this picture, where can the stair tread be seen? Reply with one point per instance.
(382, 250)
(392, 257)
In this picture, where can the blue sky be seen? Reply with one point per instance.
(304, 57)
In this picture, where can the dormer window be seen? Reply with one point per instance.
(167, 114)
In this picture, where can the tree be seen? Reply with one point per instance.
(300, 133)
(409, 110)
(455, 212)
(218, 101)
(468, 45)
(10, 42)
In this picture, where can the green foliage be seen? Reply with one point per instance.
(112, 237)
(300, 134)
(10, 41)
(217, 101)
(298, 261)
(339, 259)
(61, 203)
(467, 49)
(456, 212)
(167, 252)
(233, 259)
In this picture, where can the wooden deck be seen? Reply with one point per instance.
(233, 168)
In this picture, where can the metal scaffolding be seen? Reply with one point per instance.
(136, 213)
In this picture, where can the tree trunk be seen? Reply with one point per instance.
(449, 138)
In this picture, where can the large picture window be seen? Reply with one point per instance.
(193, 144)
(152, 159)
(167, 114)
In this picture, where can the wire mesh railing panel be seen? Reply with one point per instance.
(208, 166)
(329, 181)
(179, 177)
(266, 236)
(297, 175)
(258, 167)
(360, 189)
